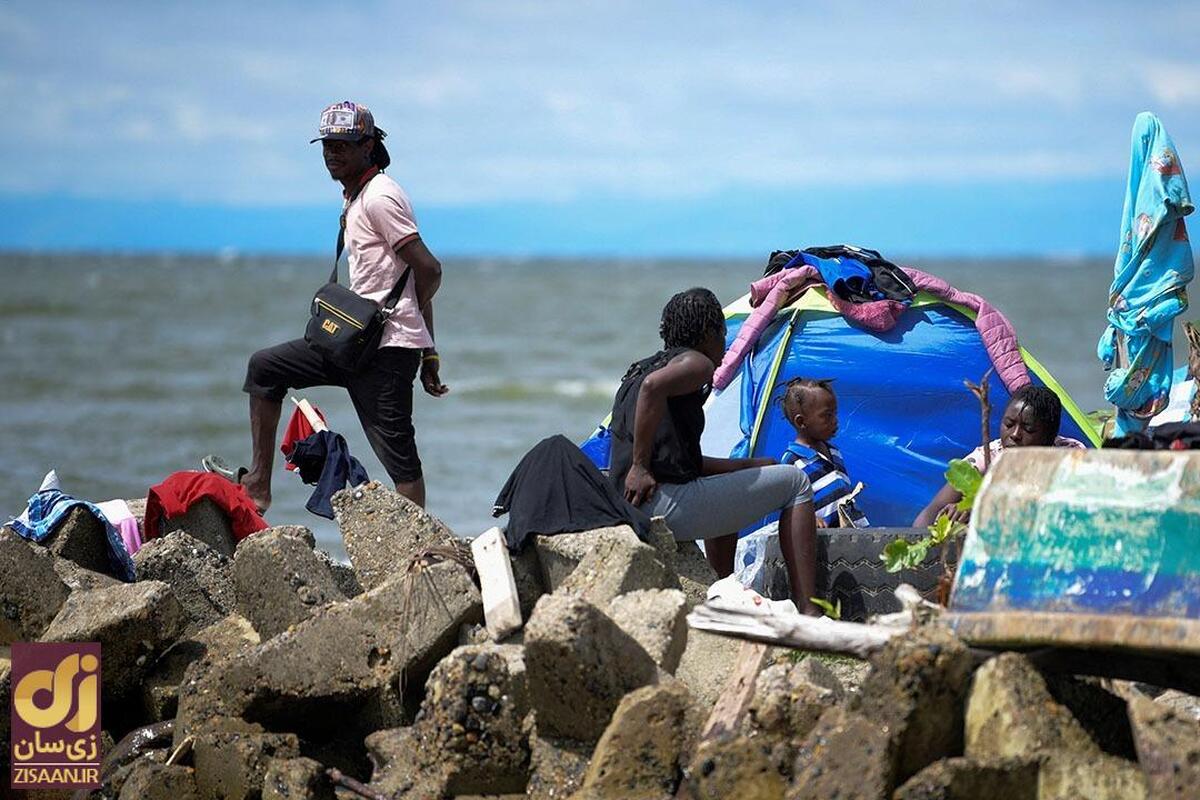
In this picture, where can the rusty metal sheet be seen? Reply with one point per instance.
(1022, 630)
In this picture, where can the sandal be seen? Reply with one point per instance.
(218, 466)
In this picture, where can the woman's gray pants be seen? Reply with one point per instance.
(717, 505)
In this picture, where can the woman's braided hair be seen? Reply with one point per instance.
(689, 317)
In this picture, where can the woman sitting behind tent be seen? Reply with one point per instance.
(657, 420)
(1031, 419)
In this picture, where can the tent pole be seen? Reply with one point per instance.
(772, 375)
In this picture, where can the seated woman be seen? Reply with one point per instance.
(1031, 419)
(657, 419)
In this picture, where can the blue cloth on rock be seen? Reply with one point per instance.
(1152, 270)
(324, 459)
(49, 507)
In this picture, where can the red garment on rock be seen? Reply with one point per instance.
(182, 490)
(298, 429)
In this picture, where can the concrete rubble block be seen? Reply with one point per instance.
(579, 664)
(77, 578)
(296, 779)
(396, 772)
(1186, 705)
(744, 767)
(695, 573)
(204, 648)
(279, 581)
(300, 532)
(637, 758)
(343, 574)
(965, 779)
(556, 765)
(81, 538)
(204, 521)
(1103, 714)
(383, 531)
(113, 778)
(5, 703)
(197, 574)
(614, 568)
(707, 662)
(527, 574)
(657, 620)
(151, 781)
(916, 687)
(355, 660)
(849, 671)
(846, 755)
(1168, 747)
(470, 725)
(31, 592)
(1097, 777)
(1010, 714)
(133, 622)
(232, 766)
(558, 555)
(788, 701)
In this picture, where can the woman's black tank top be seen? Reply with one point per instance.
(675, 455)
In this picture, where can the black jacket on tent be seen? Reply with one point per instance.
(556, 489)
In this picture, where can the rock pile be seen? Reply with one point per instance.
(257, 671)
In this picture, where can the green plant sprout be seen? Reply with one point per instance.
(902, 554)
(833, 611)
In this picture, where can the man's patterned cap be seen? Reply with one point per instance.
(347, 121)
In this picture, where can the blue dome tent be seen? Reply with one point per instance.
(904, 410)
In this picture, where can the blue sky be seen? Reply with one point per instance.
(593, 128)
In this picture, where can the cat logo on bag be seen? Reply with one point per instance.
(330, 327)
(55, 715)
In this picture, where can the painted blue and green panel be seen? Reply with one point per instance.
(1095, 531)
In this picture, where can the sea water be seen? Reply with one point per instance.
(119, 370)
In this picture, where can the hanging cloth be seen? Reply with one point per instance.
(1153, 267)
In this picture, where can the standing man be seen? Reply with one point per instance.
(381, 239)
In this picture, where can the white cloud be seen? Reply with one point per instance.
(491, 103)
(1174, 83)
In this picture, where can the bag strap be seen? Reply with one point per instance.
(341, 238)
(393, 297)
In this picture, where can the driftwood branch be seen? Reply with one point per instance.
(980, 390)
(732, 705)
(796, 630)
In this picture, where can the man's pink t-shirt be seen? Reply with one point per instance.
(378, 221)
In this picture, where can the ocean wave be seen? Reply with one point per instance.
(530, 389)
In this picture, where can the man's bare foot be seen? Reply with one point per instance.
(259, 490)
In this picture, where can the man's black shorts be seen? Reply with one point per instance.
(382, 394)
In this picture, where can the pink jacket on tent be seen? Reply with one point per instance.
(769, 294)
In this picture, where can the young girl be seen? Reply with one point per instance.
(811, 407)
(657, 420)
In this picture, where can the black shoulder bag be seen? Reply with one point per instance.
(345, 327)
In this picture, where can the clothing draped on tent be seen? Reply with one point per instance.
(1152, 269)
(770, 293)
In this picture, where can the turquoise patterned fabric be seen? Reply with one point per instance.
(1152, 270)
